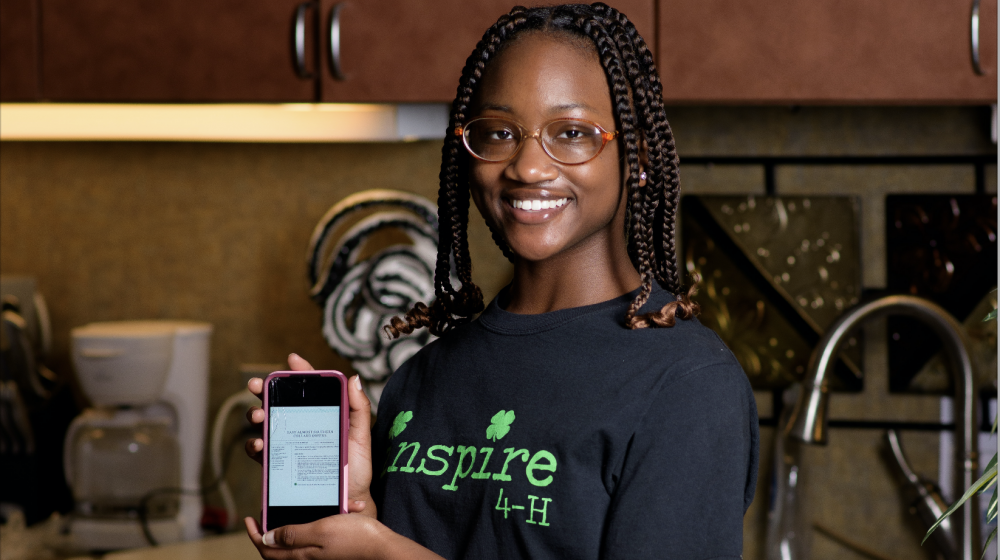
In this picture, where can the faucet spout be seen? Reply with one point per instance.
(808, 421)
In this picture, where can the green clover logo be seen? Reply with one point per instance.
(399, 424)
(501, 425)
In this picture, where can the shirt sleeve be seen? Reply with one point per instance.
(379, 443)
(689, 473)
(387, 408)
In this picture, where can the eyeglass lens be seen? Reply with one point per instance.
(566, 141)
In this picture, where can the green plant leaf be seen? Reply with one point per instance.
(991, 511)
(993, 535)
(990, 316)
(989, 485)
(984, 481)
(991, 464)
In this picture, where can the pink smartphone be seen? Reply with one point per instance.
(305, 447)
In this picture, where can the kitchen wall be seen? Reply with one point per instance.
(214, 232)
(218, 232)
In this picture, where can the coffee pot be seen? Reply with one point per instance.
(133, 460)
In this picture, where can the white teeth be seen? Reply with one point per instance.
(533, 205)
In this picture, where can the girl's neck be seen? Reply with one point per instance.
(571, 279)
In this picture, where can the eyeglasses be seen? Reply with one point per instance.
(569, 141)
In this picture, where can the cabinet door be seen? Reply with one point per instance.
(175, 51)
(414, 50)
(18, 50)
(852, 51)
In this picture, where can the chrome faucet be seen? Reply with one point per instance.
(807, 422)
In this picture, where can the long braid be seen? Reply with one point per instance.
(647, 98)
(658, 217)
(644, 204)
(451, 308)
(505, 27)
(664, 140)
(663, 170)
(501, 243)
(470, 298)
(637, 99)
(611, 54)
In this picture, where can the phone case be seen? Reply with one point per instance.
(345, 424)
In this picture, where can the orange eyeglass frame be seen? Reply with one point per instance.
(537, 134)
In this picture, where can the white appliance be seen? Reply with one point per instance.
(134, 460)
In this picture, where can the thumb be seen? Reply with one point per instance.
(298, 363)
(292, 536)
(360, 431)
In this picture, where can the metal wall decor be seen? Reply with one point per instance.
(943, 248)
(776, 272)
(366, 267)
(934, 376)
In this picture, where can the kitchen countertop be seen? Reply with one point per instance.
(234, 546)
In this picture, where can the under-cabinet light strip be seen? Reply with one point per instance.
(294, 122)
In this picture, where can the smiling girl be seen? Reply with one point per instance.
(576, 417)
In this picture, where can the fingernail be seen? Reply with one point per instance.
(268, 538)
(293, 355)
(357, 382)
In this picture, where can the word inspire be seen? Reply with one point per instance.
(436, 460)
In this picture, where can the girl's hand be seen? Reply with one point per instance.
(338, 536)
(359, 438)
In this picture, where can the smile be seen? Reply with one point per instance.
(533, 205)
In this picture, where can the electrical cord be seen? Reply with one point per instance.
(143, 509)
(242, 399)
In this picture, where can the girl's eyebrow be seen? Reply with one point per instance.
(569, 106)
(494, 107)
(555, 109)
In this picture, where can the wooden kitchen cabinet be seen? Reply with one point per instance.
(825, 51)
(708, 51)
(414, 51)
(230, 51)
(175, 51)
(18, 50)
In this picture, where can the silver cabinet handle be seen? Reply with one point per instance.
(335, 68)
(299, 40)
(975, 38)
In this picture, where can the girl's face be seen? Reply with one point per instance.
(536, 79)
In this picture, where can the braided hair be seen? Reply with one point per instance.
(651, 211)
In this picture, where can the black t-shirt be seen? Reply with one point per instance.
(567, 435)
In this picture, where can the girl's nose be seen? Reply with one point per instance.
(531, 164)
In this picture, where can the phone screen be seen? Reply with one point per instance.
(303, 477)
